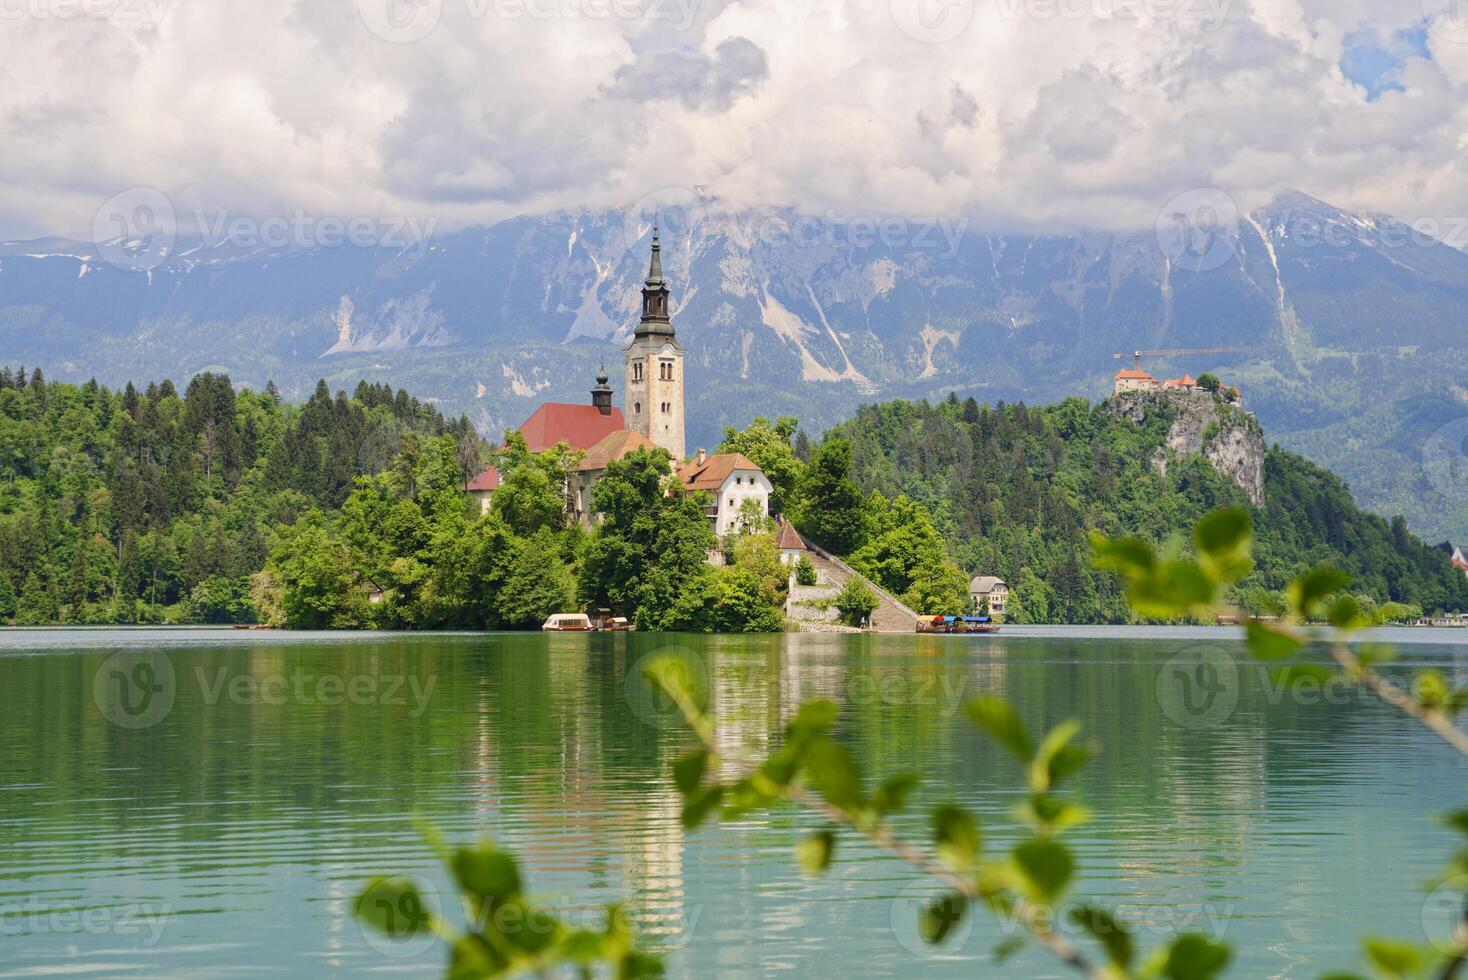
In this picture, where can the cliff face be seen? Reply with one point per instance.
(1227, 436)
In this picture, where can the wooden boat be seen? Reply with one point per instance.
(957, 625)
(568, 623)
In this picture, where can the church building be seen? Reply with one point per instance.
(652, 415)
(653, 398)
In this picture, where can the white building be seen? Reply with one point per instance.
(991, 588)
(732, 479)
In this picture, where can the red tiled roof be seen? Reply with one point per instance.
(713, 471)
(1186, 381)
(789, 539)
(614, 447)
(1134, 375)
(580, 426)
(489, 480)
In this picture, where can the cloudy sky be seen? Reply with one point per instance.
(1049, 114)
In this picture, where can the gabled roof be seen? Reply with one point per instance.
(985, 584)
(580, 426)
(789, 539)
(614, 447)
(713, 471)
(1133, 375)
(1186, 381)
(486, 481)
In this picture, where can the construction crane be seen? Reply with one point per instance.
(1137, 355)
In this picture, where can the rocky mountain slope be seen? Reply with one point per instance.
(1344, 322)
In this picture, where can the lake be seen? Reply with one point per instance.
(190, 802)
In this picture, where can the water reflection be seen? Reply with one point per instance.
(230, 832)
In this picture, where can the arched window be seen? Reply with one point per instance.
(637, 408)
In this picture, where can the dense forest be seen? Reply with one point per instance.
(220, 505)
(1014, 491)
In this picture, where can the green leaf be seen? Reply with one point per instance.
(635, 966)
(814, 717)
(997, 717)
(1008, 948)
(1431, 688)
(1057, 758)
(1393, 957)
(394, 906)
(1042, 810)
(471, 958)
(700, 803)
(688, 771)
(834, 773)
(1345, 614)
(891, 796)
(486, 872)
(1458, 820)
(1195, 957)
(526, 926)
(1306, 593)
(1225, 540)
(814, 852)
(959, 840)
(1176, 588)
(939, 919)
(1130, 556)
(1045, 866)
(1269, 642)
(679, 678)
(1107, 931)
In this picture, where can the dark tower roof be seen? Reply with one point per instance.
(601, 395)
(655, 318)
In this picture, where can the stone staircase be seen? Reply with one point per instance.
(891, 616)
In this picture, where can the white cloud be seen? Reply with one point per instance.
(1037, 113)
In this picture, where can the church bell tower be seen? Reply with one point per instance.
(654, 393)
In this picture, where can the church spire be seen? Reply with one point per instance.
(655, 318)
(655, 270)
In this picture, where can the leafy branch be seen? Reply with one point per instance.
(813, 770)
(508, 934)
(1171, 585)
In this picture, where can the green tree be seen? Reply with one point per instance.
(34, 607)
(7, 597)
(538, 583)
(652, 545)
(1209, 382)
(855, 602)
(833, 509)
(318, 578)
(805, 572)
(768, 446)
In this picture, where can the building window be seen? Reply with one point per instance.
(637, 372)
(637, 408)
(665, 371)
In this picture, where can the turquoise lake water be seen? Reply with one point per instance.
(184, 803)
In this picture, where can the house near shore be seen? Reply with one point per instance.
(733, 480)
(995, 590)
(652, 416)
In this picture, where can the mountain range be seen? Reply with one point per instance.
(1350, 330)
